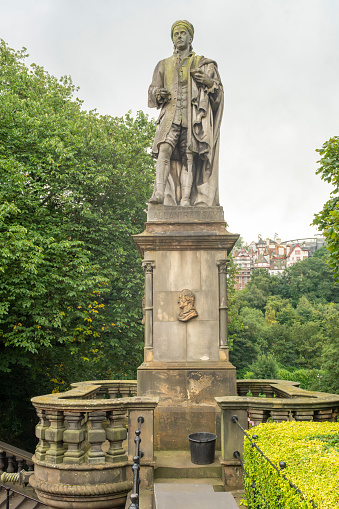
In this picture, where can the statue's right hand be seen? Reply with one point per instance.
(164, 93)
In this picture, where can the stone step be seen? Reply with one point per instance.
(145, 499)
(216, 482)
(199, 496)
(178, 465)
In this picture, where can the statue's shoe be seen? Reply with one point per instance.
(157, 198)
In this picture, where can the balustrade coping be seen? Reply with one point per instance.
(76, 400)
(296, 398)
(15, 451)
(106, 383)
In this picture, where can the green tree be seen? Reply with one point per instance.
(256, 293)
(312, 278)
(327, 219)
(330, 352)
(265, 367)
(74, 186)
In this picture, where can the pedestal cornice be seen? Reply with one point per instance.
(185, 229)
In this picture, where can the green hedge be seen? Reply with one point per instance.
(311, 453)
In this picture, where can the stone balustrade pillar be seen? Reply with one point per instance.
(280, 415)
(40, 429)
(54, 436)
(304, 415)
(323, 415)
(96, 437)
(74, 435)
(116, 433)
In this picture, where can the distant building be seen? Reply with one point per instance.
(296, 254)
(243, 262)
(273, 255)
(261, 262)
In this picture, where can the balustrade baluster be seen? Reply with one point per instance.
(40, 429)
(280, 415)
(2, 461)
(116, 433)
(11, 464)
(20, 464)
(30, 466)
(74, 435)
(96, 437)
(302, 415)
(54, 435)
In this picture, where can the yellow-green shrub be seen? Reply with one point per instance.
(311, 464)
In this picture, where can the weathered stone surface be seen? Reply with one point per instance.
(81, 486)
(196, 233)
(187, 392)
(199, 496)
(232, 437)
(198, 338)
(202, 341)
(183, 86)
(169, 341)
(168, 214)
(147, 434)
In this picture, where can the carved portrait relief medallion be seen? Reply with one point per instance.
(186, 304)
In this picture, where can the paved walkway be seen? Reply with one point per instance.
(199, 496)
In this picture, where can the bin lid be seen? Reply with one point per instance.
(202, 437)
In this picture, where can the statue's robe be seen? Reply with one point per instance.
(205, 108)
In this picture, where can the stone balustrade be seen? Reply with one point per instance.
(83, 458)
(16, 465)
(284, 401)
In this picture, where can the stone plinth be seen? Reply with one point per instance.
(80, 460)
(186, 362)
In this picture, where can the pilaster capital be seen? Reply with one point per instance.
(148, 266)
(222, 265)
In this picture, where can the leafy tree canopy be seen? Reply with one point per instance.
(327, 219)
(73, 188)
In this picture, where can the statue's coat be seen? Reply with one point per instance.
(205, 108)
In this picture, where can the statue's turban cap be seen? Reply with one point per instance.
(189, 27)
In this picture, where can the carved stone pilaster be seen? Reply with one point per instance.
(148, 266)
(223, 306)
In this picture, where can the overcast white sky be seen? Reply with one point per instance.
(278, 61)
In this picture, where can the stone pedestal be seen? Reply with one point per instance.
(186, 362)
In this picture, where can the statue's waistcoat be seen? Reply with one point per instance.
(177, 80)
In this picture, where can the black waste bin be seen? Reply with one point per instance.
(202, 446)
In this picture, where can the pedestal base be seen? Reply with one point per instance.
(187, 392)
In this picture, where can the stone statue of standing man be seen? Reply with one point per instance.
(188, 91)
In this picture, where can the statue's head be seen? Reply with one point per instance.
(182, 33)
(186, 298)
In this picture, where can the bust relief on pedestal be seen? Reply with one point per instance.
(188, 91)
(186, 304)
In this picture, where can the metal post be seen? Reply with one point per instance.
(136, 467)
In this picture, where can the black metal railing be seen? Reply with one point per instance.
(9, 491)
(136, 467)
(279, 469)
